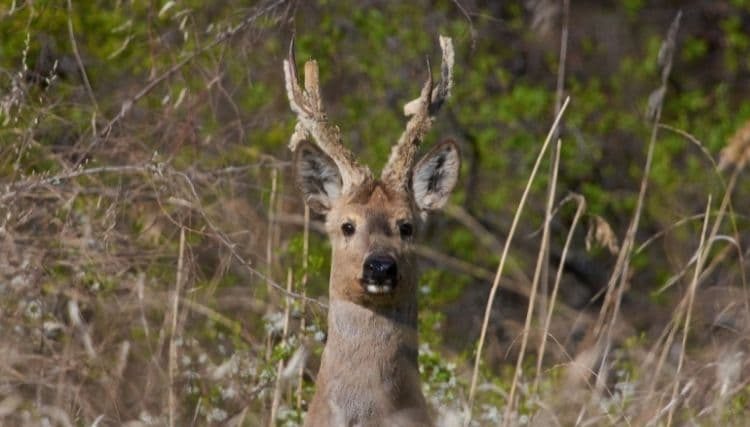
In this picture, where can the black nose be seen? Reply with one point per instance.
(380, 270)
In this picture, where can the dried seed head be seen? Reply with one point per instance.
(737, 151)
(600, 233)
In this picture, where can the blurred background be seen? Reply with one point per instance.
(157, 265)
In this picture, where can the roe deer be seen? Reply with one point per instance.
(369, 374)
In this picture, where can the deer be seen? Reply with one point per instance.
(369, 373)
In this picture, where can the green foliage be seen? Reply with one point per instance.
(222, 121)
(633, 7)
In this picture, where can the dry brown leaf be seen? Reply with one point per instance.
(600, 233)
(737, 150)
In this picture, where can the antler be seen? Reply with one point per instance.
(422, 111)
(312, 121)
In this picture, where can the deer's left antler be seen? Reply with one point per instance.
(422, 112)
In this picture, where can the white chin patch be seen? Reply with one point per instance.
(379, 289)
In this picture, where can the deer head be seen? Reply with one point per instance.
(368, 373)
(371, 222)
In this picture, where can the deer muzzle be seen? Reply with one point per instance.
(379, 274)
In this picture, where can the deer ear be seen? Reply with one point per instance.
(317, 176)
(435, 176)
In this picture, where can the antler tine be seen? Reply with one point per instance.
(312, 121)
(422, 111)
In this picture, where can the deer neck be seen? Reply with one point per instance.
(369, 373)
(387, 331)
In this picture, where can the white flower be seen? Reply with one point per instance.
(274, 323)
(19, 282)
(228, 393)
(34, 310)
(217, 414)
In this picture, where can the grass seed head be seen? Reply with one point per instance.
(737, 151)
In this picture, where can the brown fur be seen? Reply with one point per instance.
(369, 371)
(369, 374)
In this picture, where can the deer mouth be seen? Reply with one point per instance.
(377, 288)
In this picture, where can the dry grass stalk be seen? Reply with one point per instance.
(303, 291)
(683, 309)
(280, 365)
(179, 279)
(501, 264)
(556, 287)
(271, 225)
(541, 261)
(618, 279)
(703, 249)
(559, 91)
(79, 61)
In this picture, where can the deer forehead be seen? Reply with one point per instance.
(372, 204)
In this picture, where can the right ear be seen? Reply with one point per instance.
(317, 177)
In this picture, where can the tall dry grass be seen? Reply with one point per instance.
(141, 286)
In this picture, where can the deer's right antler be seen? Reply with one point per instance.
(312, 121)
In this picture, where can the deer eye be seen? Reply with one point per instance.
(405, 229)
(347, 228)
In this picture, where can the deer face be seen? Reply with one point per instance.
(373, 226)
(371, 222)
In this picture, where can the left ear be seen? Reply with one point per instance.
(435, 176)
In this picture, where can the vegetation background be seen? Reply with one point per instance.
(157, 266)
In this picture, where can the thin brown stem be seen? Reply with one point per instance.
(280, 365)
(501, 265)
(535, 284)
(303, 291)
(558, 278)
(179, 279)
(703, 249)
(79, 61)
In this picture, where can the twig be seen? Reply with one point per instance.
(480, 231)
(226, 35)
(219, 318)
(666, 230)
(472, 29)
(13, 189)
(228, 243)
